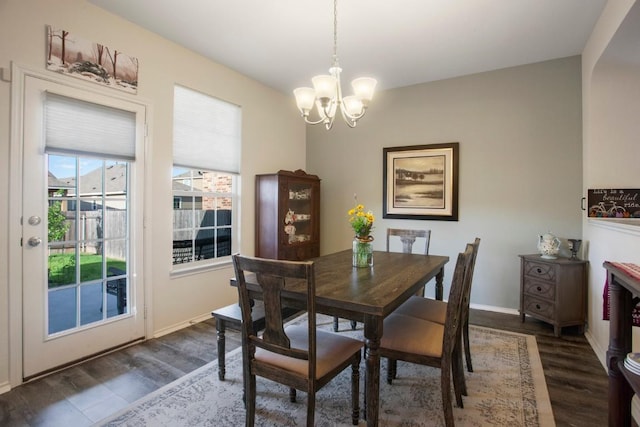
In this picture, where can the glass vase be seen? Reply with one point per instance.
(362, 251)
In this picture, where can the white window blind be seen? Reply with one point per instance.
(206, 132)
(80, 127)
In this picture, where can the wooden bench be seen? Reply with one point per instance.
(231, 317)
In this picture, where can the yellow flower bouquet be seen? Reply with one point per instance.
(362, 223)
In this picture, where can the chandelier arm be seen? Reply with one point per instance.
(306, 120)
(327, 109)
(354, 117)
(349, 119)
(328, 124)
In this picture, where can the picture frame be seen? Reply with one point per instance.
(71, 55)
(421, 182)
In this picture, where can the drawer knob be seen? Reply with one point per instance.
(538, 306)
(539, 289)
(539, 270)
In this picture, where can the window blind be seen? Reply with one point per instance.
(81, 127)
(206, 132)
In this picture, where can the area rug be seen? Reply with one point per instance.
(506, 388)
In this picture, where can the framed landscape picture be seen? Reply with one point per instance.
(421, 182)
(74, 56)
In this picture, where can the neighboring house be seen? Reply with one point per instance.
(115, 184)
(58, 187)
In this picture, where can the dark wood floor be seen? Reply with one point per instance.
(84, 394)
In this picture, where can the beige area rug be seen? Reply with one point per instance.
(507, 388)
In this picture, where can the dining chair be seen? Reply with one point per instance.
(298, 356)
(435, 311)
(407, 238)
(429, 343)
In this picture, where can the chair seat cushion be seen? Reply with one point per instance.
(331, 351)
(412, 335)
(424, 308)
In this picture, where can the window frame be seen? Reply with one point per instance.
(215, 260)
(207, 136)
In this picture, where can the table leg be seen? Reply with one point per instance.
(221, 328)
(620, 337)
(372, 334)
(439, 285)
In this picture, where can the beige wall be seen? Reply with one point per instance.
(611, 107)
(272, 137)
(520, 139)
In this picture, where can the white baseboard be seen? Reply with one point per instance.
(5, 387)
(181, 325)
(494, 308)
(600, 352)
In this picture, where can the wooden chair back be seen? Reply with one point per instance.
(288, 353)
(408, 238)
(271, 276)
(454, 303)
(466, 296)
(408, 338)
(466, 302)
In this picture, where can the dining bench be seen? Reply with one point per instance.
(231, 317)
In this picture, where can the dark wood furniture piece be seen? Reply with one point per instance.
(624, 290)
(553, 290)
(411, 339)
(231, 317)
(436, 311)
(367, 295)
(298, 356)
(287, 216)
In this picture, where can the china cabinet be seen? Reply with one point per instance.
(287, 215)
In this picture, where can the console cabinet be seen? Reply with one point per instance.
(553, 290)
(287, 216)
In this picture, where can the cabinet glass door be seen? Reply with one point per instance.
(298, 218)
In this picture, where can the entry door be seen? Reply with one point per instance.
(82, 225)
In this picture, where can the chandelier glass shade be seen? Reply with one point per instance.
(326, 94)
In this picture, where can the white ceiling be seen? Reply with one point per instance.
(283, 43)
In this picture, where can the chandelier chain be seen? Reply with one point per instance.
(335, 33)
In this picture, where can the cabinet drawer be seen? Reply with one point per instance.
(540, 270)
(539, 307)
(540, 289)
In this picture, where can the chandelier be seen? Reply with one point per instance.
(326, 93)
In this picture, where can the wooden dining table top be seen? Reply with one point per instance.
(376, 290)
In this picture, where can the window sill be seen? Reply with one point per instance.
(198, 269)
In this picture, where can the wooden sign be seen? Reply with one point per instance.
(614, 203)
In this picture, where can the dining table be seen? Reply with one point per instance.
(366, 295)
